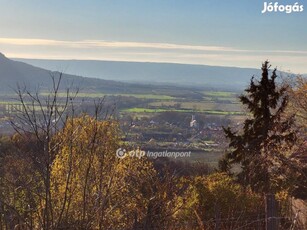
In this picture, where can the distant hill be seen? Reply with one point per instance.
(144, 72)
(15, 72)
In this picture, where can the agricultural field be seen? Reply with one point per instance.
(208, 102)
(159, 100)
(101, 95)
(144, 116)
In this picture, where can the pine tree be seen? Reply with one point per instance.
(259, 148)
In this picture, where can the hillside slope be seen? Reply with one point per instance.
(16, 72)
(180, 74)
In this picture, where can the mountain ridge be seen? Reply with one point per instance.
(121, 77)
(153, 72)
(13, 73)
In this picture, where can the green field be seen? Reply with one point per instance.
(157, 101)
(101, 95)
(219, 94)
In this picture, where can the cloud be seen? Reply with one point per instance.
(107, 44)
(131, 45)
(150, 52)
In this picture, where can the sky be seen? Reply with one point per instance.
(211, 32)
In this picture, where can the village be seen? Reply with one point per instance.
(185, 132)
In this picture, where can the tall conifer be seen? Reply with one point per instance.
(258, 147)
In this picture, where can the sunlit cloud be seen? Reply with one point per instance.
(142, 45)
(107, 44)
(31, 42)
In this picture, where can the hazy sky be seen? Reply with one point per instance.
(225, 32)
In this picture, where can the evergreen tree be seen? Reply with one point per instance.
(261, 146)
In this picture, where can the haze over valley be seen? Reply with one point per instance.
(153, 73)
